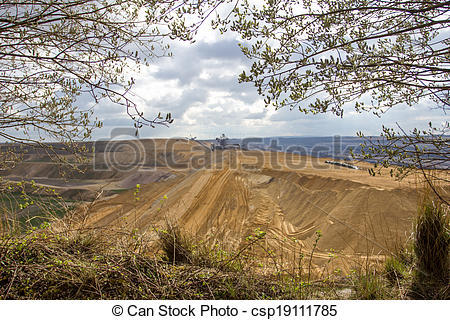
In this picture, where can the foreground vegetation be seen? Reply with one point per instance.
(59, 261)
(25, 205)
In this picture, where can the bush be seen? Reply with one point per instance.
(177, 247)
(180, 247)
(431, 245)
(43, 264)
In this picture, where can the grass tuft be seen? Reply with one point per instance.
(431, 248)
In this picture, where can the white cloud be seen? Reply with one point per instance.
(199, 86)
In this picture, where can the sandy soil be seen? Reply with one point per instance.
(357, 214)
(288, 196)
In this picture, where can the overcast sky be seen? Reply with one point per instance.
(199, 86)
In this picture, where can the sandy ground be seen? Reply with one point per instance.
(288, 197)
(357, 215)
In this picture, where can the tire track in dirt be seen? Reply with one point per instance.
(225, 205)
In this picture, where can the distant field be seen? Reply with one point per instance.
(32, 210)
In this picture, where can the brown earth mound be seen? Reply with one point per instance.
(224, 196)
(356, 214)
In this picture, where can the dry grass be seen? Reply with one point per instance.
(85, 264)
(105, 264)
(431, 248)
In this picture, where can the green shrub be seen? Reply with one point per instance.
(43, 264)
(431, 245)
(177, 247)
(395, 269)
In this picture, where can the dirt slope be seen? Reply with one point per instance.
(223, 197)
(356, 214)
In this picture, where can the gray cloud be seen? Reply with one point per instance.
(188, 63)
(198, 73)
(226, 50)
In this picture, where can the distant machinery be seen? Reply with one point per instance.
(222, 144)
(191, 138)
(342, 164)
(194, 139)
